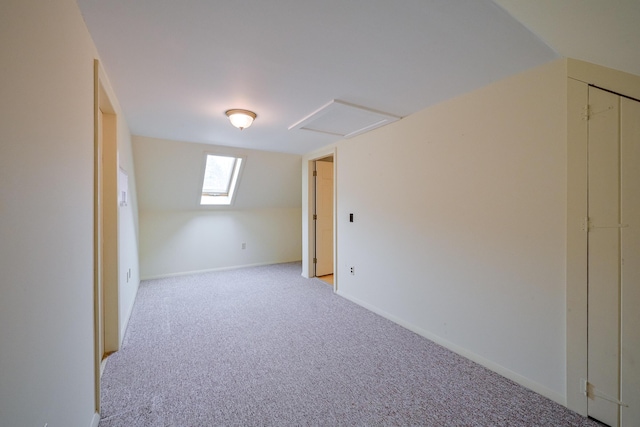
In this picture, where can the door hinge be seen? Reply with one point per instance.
(588, 225)
(315, 260)
(587, 111)
(592, 392)
(315, 173)
(315, 217)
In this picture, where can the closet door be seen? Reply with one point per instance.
(603, 386)
(630, 253)
(613, 386)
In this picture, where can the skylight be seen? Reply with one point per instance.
(220, 179)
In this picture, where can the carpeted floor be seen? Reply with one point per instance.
(263, 346)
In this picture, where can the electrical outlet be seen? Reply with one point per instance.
(352, 270)
(244, 246)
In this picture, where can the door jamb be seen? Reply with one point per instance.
(308, 208)
(105, 301)
(314, 210)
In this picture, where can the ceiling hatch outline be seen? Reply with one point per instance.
(344, 119)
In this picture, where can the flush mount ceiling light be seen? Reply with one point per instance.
(241, 119)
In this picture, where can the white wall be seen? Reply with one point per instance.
(178, 236)
(128, 235)
(186, 242)
(46, 215)
(459, 228)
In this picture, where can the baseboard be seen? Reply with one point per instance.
(210, 270)
(499, 369)
(95, 420)
(125, 322)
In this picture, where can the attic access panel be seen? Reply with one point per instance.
(344, 119)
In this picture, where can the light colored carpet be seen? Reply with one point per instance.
(265, 347)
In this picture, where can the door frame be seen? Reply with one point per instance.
(315, 211)
(308, 209)
(106, 276)
(580, 75)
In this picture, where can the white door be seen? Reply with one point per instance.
(613, 327)
(324, 218)
(630, 254)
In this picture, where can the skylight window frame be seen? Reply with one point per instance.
(214, 199)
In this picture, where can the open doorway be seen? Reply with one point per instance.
(323, 219)
(106, 304)
(327, 157)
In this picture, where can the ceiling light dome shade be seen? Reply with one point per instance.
(241, 119)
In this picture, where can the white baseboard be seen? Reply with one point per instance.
(499, 369)
(125, 321)
(95, 420)
(210, 270)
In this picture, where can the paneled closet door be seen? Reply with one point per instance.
(630, 254)
(604, 257)
(613, 386)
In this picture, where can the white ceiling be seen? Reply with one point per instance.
(604, 32)
(176, 67)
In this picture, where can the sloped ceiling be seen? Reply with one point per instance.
(604, 32)
(176, 67)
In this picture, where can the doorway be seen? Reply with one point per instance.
(612, 386)
(323, 219)
(106, 320)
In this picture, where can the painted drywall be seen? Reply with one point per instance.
(174, 243)
(46, 215)
(459, 225)
(170, 176)
(177, 236)
(128, 234)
